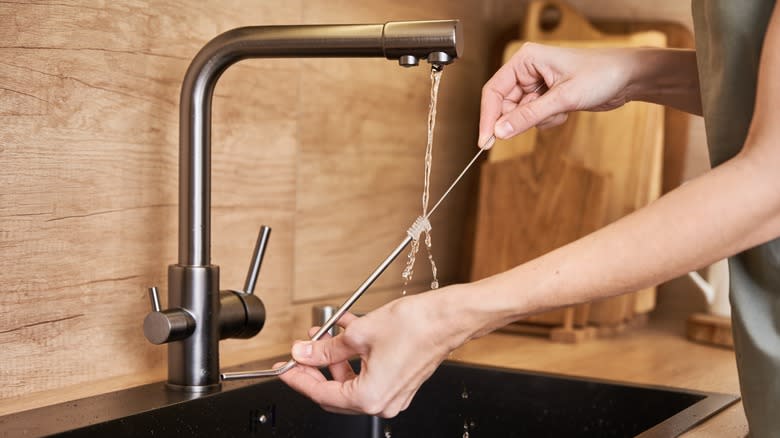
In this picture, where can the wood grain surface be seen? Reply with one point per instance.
(530, 205)
(88, 210)
(710, 329)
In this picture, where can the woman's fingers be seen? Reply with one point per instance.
(346, 319)
(500, 88)
(327, 350)
(340, 371)
(517, 97)
(327, 393)
(514, 80)
(532, 113)
(303, 372)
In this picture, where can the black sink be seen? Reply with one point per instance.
(458, 401)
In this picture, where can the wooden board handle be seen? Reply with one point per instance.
(554, 19)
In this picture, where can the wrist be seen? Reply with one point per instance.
(640, 71)
(664, 76)
(484, 306)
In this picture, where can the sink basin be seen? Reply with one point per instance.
(459, 400)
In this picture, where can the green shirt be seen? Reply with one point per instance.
(729, 37)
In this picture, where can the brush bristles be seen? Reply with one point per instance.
(420, 224)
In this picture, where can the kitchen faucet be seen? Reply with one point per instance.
(199, 314)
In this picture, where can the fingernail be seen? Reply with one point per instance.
(490, 142)
(482, 142)
(504, 129)
(302, 349)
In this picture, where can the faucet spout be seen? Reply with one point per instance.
(440, 41)
(199, 314)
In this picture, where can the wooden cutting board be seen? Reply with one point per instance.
(626, 143)
(530, 205)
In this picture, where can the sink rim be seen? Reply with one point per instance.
(89, 411)
(695, 414)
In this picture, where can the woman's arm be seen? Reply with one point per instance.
(731, 208)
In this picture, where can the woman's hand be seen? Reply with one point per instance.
(541, 84)
(400, 345)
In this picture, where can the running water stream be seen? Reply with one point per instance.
(409, 270)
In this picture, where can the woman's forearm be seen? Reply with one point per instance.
(667, 77)
(731, 208)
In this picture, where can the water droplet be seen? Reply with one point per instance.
(434, 284)
(408, 272)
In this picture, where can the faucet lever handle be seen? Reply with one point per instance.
(257, 259)
(162, 326)
(154, 297)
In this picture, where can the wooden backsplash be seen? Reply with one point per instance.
(327, 152)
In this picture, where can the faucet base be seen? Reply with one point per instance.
(194, 389)
(193, 362)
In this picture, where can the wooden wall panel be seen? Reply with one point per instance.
(88, 191)
(372, 168)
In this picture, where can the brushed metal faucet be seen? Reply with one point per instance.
(199, 314)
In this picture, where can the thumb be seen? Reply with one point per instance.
(529, 114)
(323, 352)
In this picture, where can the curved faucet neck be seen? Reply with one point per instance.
(406, 41)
